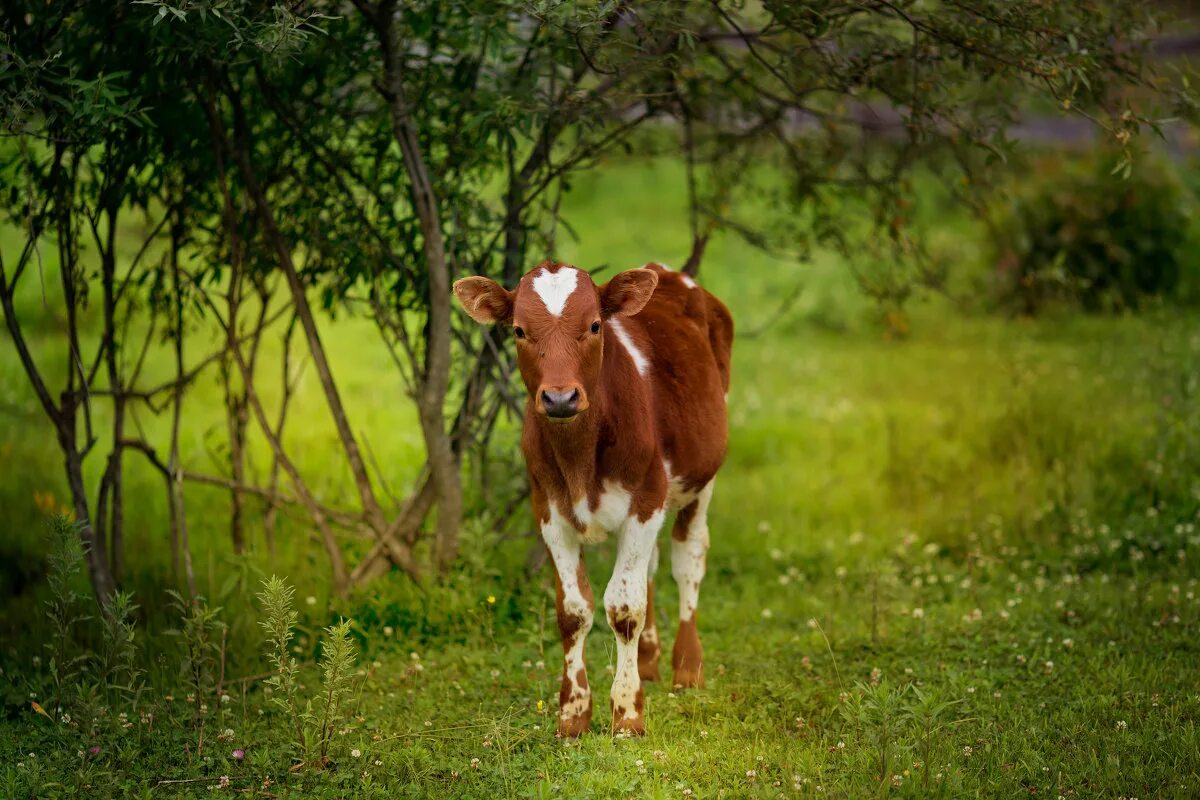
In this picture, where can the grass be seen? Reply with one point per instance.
(961, 564)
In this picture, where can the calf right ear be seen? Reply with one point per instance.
(484, 299)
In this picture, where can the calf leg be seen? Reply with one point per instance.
(576, 608)
(689, 548)
(625, 601)
(649, 648)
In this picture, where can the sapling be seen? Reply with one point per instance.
(278, 604)
(63, 607)
(199, 624)
(337, 674)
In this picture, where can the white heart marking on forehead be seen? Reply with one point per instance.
(555, 287)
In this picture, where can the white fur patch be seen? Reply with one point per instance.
(688, 282)
(689, 556)
(639, 359)
(678, 495)
(555, 287)
(609, 514)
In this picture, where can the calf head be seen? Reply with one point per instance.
(557, 316)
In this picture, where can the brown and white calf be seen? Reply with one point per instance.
(625, 422)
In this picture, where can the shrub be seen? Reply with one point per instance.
(1077, 231)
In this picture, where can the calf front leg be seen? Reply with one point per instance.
(576, 608)
(689, 551)
(625, 603)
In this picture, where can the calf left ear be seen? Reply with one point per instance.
(628, 292)
(484, 299)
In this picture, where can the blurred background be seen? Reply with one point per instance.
(959, 241)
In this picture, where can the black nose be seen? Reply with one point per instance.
(562, 405)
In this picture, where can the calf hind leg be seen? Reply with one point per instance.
(649, 648)
(689, 549)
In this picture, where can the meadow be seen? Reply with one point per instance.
(955, 563)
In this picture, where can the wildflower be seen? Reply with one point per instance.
(378, 763)
(703, 734)
(1048, 667)
(751, 775)
(1068, 643)
(239, 754)
(967, 750)
(312, 601)
(388, 630)
(356, 753)
(918, 613)
(766, 613)
(474, 763)
(491, 599)
(812, 623)
(1122, 725)
(876, 675)
(94, 749)
(224, 783)
(541, 705)
(841, 745)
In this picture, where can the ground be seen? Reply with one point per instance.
(961, 563)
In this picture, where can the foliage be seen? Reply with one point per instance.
(64, 609)
(270, 166)
(315, 727)
(201, 660)
(1077, 231)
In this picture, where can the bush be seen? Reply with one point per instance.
(1074, 231)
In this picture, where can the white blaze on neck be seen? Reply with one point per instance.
(639, 359)
(555, 287)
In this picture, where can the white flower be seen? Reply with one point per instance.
(967, 751)
(356, 753)
(766, 613)
(1122, 725)
(312, 601)
(918, 613)
(388, 630)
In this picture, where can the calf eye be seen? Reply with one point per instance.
(518, 332)
(595, 327)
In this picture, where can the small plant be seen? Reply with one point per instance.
(63, 608)
(278, 603)
(337, 667)
(315, 724)
(117, 674)
(199, 626)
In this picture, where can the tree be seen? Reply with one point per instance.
(355, 157)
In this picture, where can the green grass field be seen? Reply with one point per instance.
(959, 564)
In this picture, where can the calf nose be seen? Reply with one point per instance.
(561, 405)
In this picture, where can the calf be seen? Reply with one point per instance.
(625, 421)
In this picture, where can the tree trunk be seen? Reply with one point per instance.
(443, 465)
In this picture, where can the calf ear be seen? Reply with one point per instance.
(484, 299)
(628, 292)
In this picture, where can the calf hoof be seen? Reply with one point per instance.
(688, 678)
(631, 726)
(574, 727)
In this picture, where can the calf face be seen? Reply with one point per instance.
(556, 315)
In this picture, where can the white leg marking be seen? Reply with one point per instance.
(688, 557)
(639, 358)
(564, 545)
(625, 602)
(555, 287)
